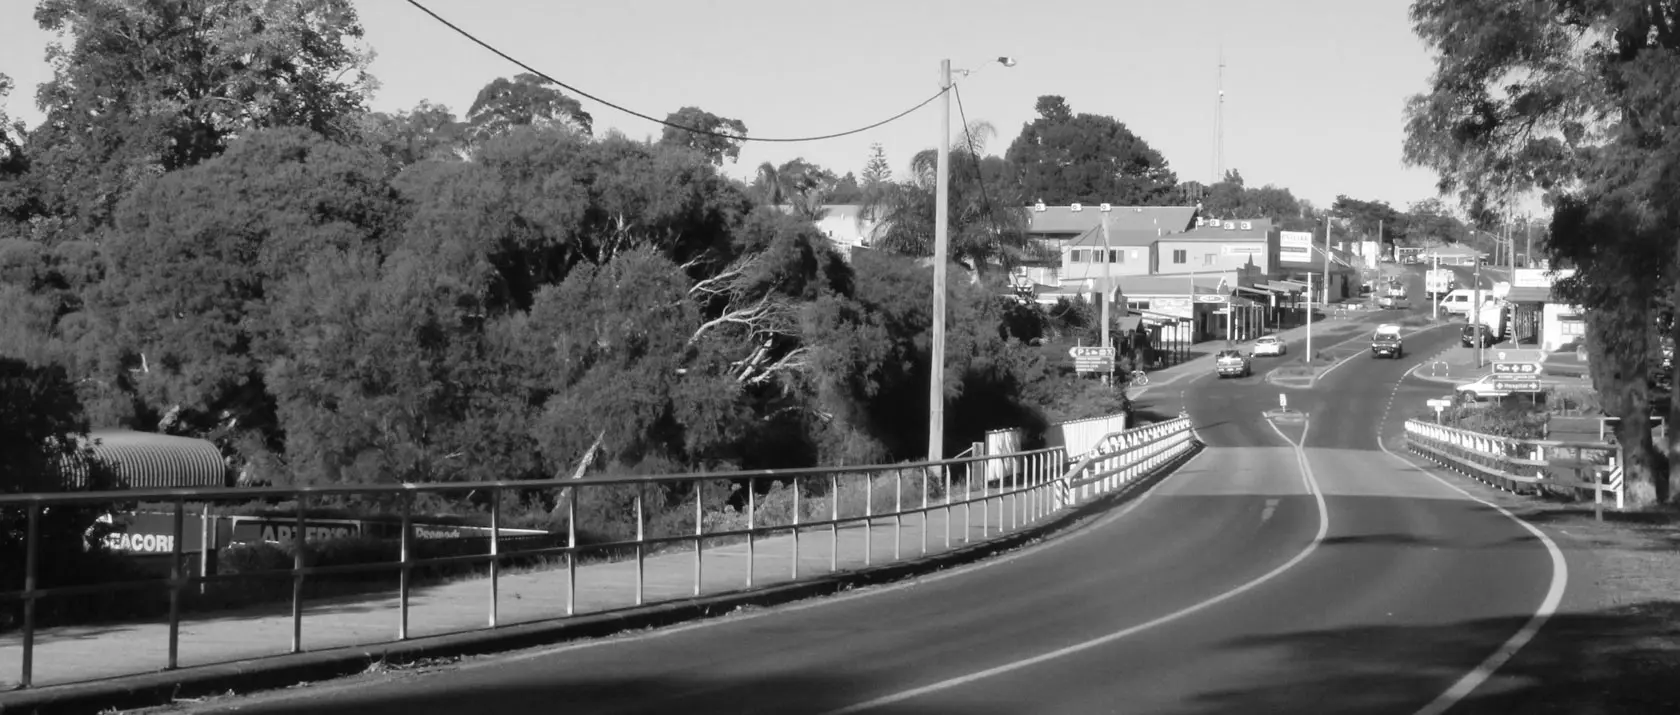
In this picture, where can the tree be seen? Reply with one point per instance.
(988, 215)
(150, 86)
(16, 203)
(1365, 218)
(1061, 158)
(797, 183)
(716, 137)
(428, 132)
(1574, 100)
(526, 100)
(877, 171)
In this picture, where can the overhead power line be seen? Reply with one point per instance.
(634, 113)
(979, 170)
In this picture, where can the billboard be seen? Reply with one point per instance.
(1295, 239)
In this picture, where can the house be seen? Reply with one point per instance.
(1452, 254)
(1213, 245)
(842, 225)
(1300, 257)
(1202, 307)
(1053, 228)
(1122, 253)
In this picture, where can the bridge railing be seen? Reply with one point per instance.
(1521, 465)
(842, 515)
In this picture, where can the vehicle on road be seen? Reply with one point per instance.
(1232, 363)
(1472, 333)
(1386, 343)
(1482, 389)
(1269, 345)
(1439, 281)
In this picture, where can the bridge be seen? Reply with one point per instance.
(1230, 559)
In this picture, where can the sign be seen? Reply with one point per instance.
(1091, 352)
(1519, 385)
(1295, 255)
(1212, 299)
(1242, 250)
(1295, 239)
(1283, 401)
(1514, 369)
(1439, 403)
(1093, 365)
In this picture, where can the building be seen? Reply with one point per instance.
(1554, 323)
(1452, 254)
(1053, 228)
(1218, 246)
(1300, 257)
(1203, 307)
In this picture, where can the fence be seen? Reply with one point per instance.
(839, 512)
(1079, 437)
(1521, 465)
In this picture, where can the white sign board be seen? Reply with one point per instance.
(1283, 400)
(1439, 404)
(1242, 250)
(1295, 239)
(1295, 255)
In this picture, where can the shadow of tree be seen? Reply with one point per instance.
(1622, 661)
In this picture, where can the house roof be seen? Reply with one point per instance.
(1259, 228)
(1170, 285)
(1064, 220)
(1094, 238)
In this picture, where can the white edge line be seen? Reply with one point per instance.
(1548, 606)
(1318, 538)
(818, 602)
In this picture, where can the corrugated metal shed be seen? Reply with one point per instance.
(145, 460)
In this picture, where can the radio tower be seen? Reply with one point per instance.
(1219, 125)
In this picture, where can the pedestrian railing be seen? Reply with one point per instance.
(1521, 465)
(825, 510)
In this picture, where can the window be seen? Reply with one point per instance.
(1571, 327)
(1076, 255)
(1179, 256)
(1137, 305)
(1207, 259)
(1116, 256)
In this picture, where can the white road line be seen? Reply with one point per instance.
(1548, 606)
(1323, 529)
(1266, 514)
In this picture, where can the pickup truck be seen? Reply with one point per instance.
(1386, 342)
(1232, 363)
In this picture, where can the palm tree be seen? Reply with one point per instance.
(797, 183)
(988, 218)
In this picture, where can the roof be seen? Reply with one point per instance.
(1094, 237)
(1529, 294)
(1063, 219)
(1169, 285)
(1258, 229)
(144, 460)
(1453, 249)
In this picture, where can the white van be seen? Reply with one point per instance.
(1457, 302)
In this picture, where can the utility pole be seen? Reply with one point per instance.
(1436, 315)
(1326, 261)
(1475, 317)
(1106, 296)
(1309, 356)
(941, 237)
(1528, 241)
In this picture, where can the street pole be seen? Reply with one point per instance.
(1309, 356)
(1106, 297)
(1326, 261)
(1436, 315)
(941, 236)
(1476, 314)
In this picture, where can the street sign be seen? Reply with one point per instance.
(1210, 298)
(1283, 400)
(1517, 368)
(1091, 352)
(1519, 385)
(1439, 403)
(1093, 365)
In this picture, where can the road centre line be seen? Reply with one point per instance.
(1464, 686)
(1323, 529)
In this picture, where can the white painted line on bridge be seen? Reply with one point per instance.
(1548, 605)
(1323, 529)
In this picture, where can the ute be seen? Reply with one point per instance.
(1232, 363)
(1386, 342)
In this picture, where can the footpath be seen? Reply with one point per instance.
(365, 626)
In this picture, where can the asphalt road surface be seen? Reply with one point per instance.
(1259, 578)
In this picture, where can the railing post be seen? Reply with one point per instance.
(868, 517)
(699, 531)
(300, 541)
(31, 565)
(641, 550)
(925, 508)
(175, 577)
(495, 551)
(796, 507)
(405, 557)
(571, 551)
(833, 523)
(752, 515)
(898, 512)
(945, 475)
(206, 546)
(968, 503)
(986, 500)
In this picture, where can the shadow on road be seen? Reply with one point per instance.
(1611, 662)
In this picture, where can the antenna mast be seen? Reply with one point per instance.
(1219, 125)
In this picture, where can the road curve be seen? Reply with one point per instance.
(1113, 618)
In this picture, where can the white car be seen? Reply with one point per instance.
(1482, 389)
(1269, 345)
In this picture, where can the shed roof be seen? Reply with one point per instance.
(146, 460)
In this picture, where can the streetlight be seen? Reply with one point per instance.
(941, 237)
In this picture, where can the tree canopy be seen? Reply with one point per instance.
(1061, 157)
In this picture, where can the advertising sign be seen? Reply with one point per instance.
(1295, 239)
(1295, 255)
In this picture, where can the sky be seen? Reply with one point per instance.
(1314, 89)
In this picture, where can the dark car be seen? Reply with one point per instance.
(1469, 335)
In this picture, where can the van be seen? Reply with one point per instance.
(1457, 302)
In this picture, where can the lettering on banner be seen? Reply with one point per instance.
(141, 543)
(284, 533)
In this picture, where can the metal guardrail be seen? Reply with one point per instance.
(1039, 485)
(1521, 465)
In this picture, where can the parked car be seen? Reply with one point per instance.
(1232, 363)
(1269, 345)
(1474, 331)
(1482, 389)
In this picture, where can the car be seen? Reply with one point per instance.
(1471, 331)
(1387, 343)
(1482, 388)
(1232, 363)
(1269, 345)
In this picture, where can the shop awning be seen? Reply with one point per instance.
(1529, 294)
(1127, 323)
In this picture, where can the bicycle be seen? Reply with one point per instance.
(1139, 378)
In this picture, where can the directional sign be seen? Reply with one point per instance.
(1519, 385)
(1210, 299)
(1439, 404)
(1093, 365)
(1516, 368)
(1283, 400)
(1091, 352)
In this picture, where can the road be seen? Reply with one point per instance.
(1242, 583)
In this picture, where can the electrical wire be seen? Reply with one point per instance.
(979, 171)
(634, 113)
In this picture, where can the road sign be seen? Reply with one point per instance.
(1210, 298)
(1439, 403)
(1091, 352)
(1518, 385)
(1283, 400)
(1093, 365)
(1531, 369)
